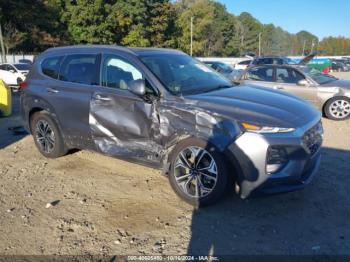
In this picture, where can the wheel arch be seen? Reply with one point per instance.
(41, 106)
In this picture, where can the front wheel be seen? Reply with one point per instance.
(198, 172)
(338, 108)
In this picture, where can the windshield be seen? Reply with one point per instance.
(181, 74)
(318, 76)
(22, 66)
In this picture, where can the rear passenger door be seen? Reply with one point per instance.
(70, 95)
(122, 123)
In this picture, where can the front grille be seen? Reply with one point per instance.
(312, 139)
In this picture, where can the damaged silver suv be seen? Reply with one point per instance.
(161, 108)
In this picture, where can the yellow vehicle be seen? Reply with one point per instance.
(5, 99)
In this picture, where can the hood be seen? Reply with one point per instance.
(338, 83)
(257, 105)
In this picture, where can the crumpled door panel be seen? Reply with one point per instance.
(124, 127)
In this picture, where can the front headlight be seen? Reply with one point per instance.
(265, 129)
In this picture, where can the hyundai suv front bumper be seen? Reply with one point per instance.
(278, 162)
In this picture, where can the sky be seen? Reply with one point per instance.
(320, 17)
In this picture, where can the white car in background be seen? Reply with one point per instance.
(242, 65)
(18, 67)
(14, 74)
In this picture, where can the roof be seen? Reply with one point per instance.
(270, 56)
(135, 51)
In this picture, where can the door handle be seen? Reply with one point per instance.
(102, 98)
(51, 90)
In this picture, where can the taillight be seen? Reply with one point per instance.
(23, 85)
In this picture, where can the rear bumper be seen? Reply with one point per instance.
(250, 153)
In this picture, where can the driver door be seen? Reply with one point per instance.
(122, 123)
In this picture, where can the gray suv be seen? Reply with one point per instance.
(161, 108)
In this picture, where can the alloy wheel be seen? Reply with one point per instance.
(195, 172)
(45, 137)
(340, 109)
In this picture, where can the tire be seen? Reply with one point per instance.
(337, 108)
(204, 152)
(55, 146)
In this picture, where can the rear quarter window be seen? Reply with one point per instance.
(51, 66)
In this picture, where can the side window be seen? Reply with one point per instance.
(214, 66)
(277, 61)
(51, 66)
(8, 67)
(287, 75)
(260, 74)
(117, 73)
(82, 69)
(297, 76)
(268, 61)
(2, 67)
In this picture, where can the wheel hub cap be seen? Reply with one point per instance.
(195, 172)
(45, 136)
(340, 109)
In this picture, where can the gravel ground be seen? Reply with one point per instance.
(107, 206)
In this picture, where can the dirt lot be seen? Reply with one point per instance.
(114, 207)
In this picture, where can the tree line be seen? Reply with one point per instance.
(35, 25)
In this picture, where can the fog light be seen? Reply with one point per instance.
(276, 159)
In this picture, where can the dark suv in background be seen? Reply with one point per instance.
(271, 60)
(161, 108)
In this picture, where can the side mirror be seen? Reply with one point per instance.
(303, 82)
(137, 87)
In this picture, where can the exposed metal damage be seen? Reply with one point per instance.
(148, 131)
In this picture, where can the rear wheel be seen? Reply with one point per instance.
(338, 108)
(47, 136)
(198, 173)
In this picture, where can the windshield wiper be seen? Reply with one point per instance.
(192, 92)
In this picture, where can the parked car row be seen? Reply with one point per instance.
(340, 65)
(329, 94)
(162, 108)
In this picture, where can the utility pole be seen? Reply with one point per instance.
(312, 46)
(260, 44)
(3, 55)
(303, 54)
(191, 35)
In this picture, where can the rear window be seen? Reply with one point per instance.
(82, 69)
(247, 62)
(22, 66)
(51, 66)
